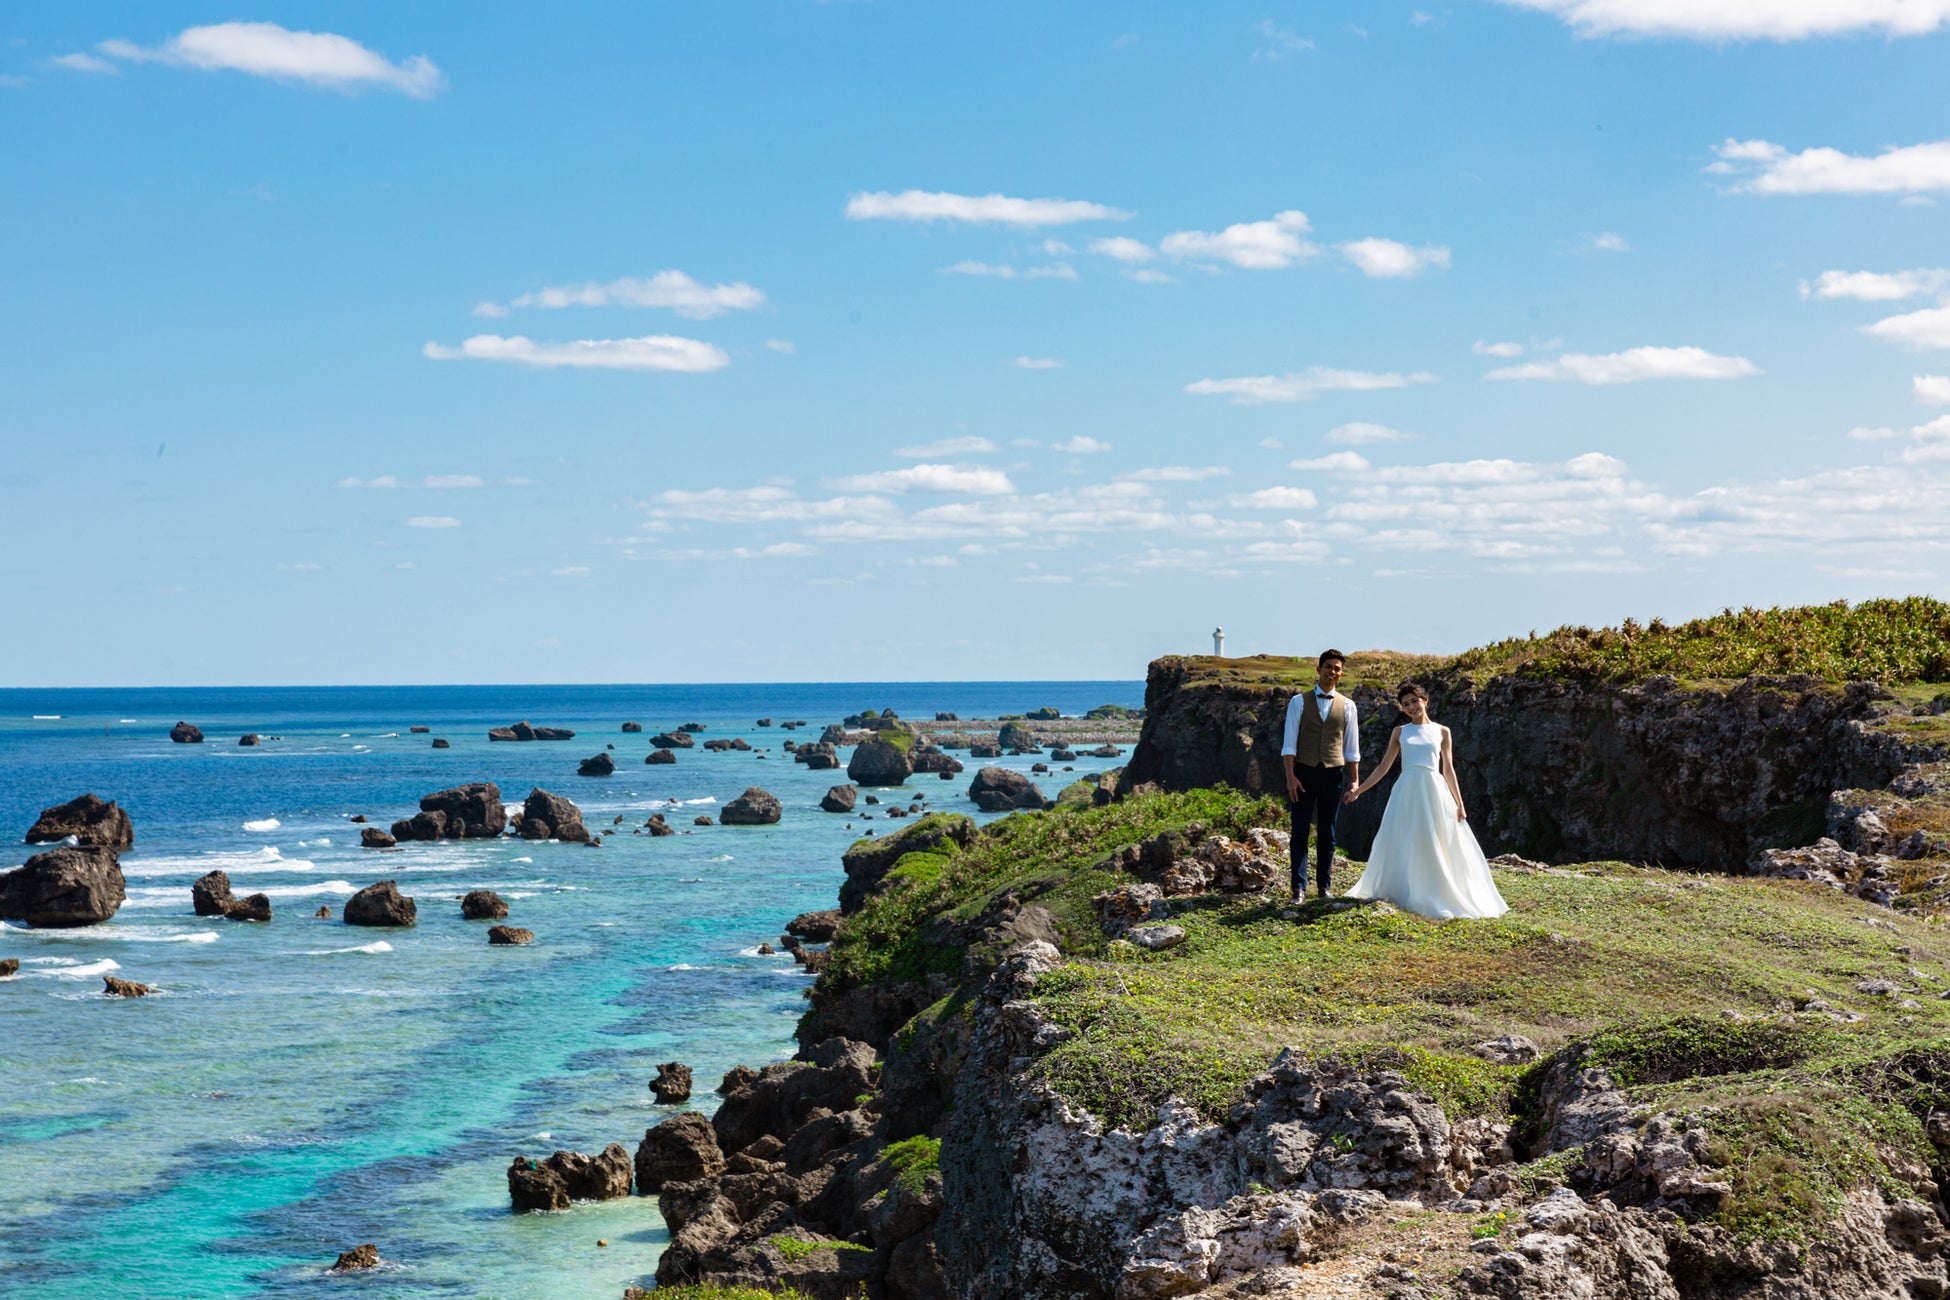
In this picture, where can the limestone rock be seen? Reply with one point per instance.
(815, 927)
(631, 728)
(1871, 877)
(509, 936)
(523, 731)
(868, 861)
(1157, 938)
(672, 1084)
(679, 1150)
(9, 967)
(371, 837)
(1127, 905)
(185, 734)
(440, 742)
(64, 888)
(673, 740)
(357, 1259)
(1510, 1049)
(1197, 1247)
(597, 765)
(92, 821)
(996, 789)
(558, 818)
(660, 756)
(115, 988)
(471, 812)
(568, 1176)
(482, 905)
(879, 762)
(380, 904)
(753, 808)
(248, 739)
(840, 799)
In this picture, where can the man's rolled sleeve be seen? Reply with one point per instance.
(1290, 741)
(1351, 741)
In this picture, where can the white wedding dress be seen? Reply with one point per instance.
(1424, 860)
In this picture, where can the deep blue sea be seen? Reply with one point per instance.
(294, 1089)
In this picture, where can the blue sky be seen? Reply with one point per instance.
(881, 340)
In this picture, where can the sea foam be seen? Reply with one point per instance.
(377, 945)
(233, 862)
(265, 824)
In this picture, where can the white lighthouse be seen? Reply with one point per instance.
(1219, 642)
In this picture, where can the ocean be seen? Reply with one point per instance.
(292, 1090)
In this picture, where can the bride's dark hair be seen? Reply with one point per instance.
(1409, 690)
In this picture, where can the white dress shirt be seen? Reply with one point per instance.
(1350, 741)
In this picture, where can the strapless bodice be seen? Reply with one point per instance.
(1422, 746)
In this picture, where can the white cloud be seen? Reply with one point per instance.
(431, 481)
(1254, 245)
(1275, 498)
(1768, 168)
(1080, 445)
(1482, 349)
(776, 551)
(1880, 433)
(1386, 259)
(1038, 363)
(782, 345)
(1609, 241)
(83, 63)
(301, 568)
(1278, 42)
(671, 289)
(433, 521)
(651, 352)
(1003, 271)
(1929, 328)
(930, 478)
(1338, 462)
(1175, 474)
(1359, 433)
(1149, 277)
(571, 571)
(1272, 444)
(268, 50)
(1303, 385)
(965, 446)
(1631, 366)
(991, 209)
(1725, 20)
(1123, 248)
(1931, 390)
(1876, 286)
(1056, 248)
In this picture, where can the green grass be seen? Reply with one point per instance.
(1905, 640)
(915, 1158)
(793, 1249)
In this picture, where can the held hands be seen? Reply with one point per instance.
(1354, 792)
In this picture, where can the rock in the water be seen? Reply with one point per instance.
(9, 967)
(815, 927)
(985, 751)
(660, 756)
(997, 789)
(631, 728)
(561, 819)
(764, 950)
(673, 740)
(357, 1259)
(509, 936)
(932, 758)
(465, 812)
(63, 888)
(89, 819)
(357, 819)
(658, 826)
(248, 739)
(682, 1148)
(185, 734)
(673, 1083)
(211, 894)
(693, 727)
(419, 730)
(1061, 755)
(115, 988)
(753, 808)
(840, 799)
(380, 904)
(879, 761)
(440, 742)
(702, 819)
(252, 907)
(482, 905)
(372, 837)
(322, 914)
(597, 765)
(567, 1176)
(735, 1078)
(522, 731)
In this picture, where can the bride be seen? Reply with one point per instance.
(1425, 859)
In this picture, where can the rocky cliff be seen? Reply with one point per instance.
(1700, 775)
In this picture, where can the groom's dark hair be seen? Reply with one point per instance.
(1325, 655)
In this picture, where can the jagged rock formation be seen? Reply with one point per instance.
(568, 1176)
(380, 904)
(89, 819)
(1711, 775)
(64, 888)
(546, 816)
(997, 789)
(482, 905)
(184, 733)
(211, 896)
(465, 812)
(523, 731)
(755, 807)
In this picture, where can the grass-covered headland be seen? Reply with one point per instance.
(1750, 1002)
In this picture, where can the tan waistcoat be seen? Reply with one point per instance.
(1321, 739)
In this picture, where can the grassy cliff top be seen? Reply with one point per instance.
(1747, 1001)
(1890, 641)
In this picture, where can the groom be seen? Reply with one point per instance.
(1322, 741)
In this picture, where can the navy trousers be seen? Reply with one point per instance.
(1318, 805)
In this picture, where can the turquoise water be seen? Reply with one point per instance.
(295, 1089)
